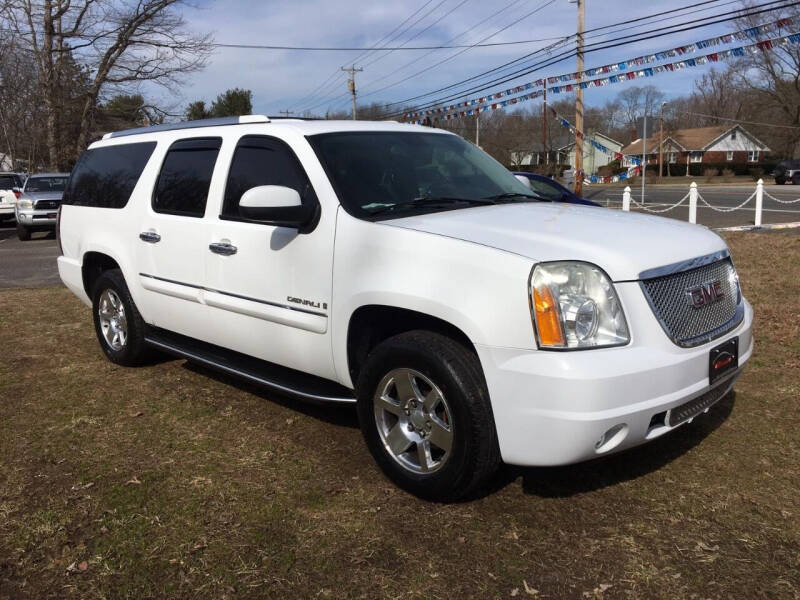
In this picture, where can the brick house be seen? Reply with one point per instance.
(701, 145)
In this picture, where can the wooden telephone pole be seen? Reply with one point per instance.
(351, 85)
(578, 167)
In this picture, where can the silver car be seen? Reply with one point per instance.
(37, 207)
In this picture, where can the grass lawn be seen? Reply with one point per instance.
(171, 481)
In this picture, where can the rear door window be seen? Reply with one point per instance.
(105, 177)
(8, 182)
(182, 186)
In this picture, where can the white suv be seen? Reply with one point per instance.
(402, 269)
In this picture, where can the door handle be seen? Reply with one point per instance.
(151, 237)
(223, 248)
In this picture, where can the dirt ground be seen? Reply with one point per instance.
(171, 481)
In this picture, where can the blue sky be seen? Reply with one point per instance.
(282, 80)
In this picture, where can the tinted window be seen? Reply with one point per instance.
(105, 177)
(9, 181)
(387, 173)
(182, 187)
(259, 161)
(46, 184)
(546, 189)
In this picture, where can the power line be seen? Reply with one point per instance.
(451, 57)
(385, 38)
(660, 32)
(686, 112)
(540, 64)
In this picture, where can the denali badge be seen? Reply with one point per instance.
(705, 293)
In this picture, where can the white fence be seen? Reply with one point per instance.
(694, 197)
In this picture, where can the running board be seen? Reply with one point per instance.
(268, 375)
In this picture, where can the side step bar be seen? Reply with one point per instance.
(271, 376)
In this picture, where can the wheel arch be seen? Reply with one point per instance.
(371, 324)
(93, 265)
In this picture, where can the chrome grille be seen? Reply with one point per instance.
(685, 324)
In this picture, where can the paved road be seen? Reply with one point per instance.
(27, 264)
(662, 196)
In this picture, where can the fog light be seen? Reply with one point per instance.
(611, 438)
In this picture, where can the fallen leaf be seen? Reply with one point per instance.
(133, 481)
(514, 592)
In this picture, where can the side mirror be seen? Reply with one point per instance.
(524, 180)
(276, 205)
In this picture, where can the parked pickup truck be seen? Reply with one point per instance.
(402, 269)
(37, 207)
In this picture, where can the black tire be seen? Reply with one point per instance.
(474, 456)
(23, 232)
(135, 350)
(780, 180)
(796, 179)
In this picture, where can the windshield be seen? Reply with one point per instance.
(46, 184)
(386, 174)
(551, 191)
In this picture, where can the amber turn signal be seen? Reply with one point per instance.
(548, 321)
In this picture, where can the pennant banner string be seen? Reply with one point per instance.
(727, 38)
(756, 48)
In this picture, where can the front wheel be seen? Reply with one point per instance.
(425, 415)
(780, 181)
(117, 322)
(23, 232)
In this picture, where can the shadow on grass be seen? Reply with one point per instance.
(546, 482)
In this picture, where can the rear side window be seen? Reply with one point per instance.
(105, 177)
(261, 160)
(182, 187)
(8, 181)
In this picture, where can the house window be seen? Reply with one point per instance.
(729, 155)
(733, 134)
(752, 156)
(673, 157)
(696, 157)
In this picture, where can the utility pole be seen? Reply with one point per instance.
(661, 142)
(351, 85)
(644, 150)
(478, 130)
(286, 113)
(544, 124)
(579, 103)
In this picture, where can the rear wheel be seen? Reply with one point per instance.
(796, 179)
(117, 322)
(426, 417)
(780, 180)
(23, 232)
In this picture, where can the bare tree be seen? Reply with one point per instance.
(119, 44)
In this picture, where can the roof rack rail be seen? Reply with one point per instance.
(245, 119)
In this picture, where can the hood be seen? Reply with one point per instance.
(622, 243)
(42, 195)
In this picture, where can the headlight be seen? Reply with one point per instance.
(574, 305)
(25, 204)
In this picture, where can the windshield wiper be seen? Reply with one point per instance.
(516, 195)
(431, 201)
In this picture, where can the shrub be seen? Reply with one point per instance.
(727, 174)
(756, 173)
(709, 174)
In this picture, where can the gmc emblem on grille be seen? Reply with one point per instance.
(705, 294)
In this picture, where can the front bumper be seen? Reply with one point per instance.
(6, 210)
(37, 218)
(557, 408)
